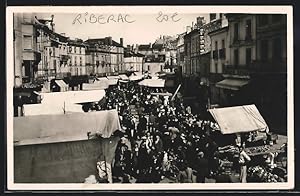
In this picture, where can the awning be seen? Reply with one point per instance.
(113, 77)
(232, 84)
(47, 109)
(61, 98)
(95, 86)
(239, 119)
(62, 85)
(135, 78)
(123, 77)
(100, 84)
(152, 83)
(112, 82)
(63, 128)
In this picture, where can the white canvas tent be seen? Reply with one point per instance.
(239, 119)
(159, 83)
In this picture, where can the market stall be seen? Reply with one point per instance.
(249, 133)
(156, 83)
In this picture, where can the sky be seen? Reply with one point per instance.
(140, 28)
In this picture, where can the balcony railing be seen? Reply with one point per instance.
(236, 70)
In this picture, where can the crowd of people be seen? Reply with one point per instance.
(163, 139)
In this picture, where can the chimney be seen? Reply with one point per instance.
(121, 41)
(109, 40)
(150, 45)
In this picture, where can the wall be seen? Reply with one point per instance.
(153, 67)
(220, 62)
(18, 49)
(242, 45)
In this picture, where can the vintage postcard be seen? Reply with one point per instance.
(150, 97)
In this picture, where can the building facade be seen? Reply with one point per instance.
(76, 53)
(26, 54)
(154, 63)
(104, 56)
(219, 55)
(133, 61)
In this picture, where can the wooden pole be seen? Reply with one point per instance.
(177, 90)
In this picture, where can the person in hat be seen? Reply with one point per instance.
(201, 167)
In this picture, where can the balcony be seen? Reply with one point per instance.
(222, 53)
(248, 41)
(215, 54)
(239, 71)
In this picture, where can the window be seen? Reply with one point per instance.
(148, 67)
(236, 57)
(223, 43)
(277, 48)
(248, 30)
(75, 60)
(236, 32)
(212, 16)
(80, 61)
(248, 56)
(216, 67)
(216, 45)
(54, 64)
(264, 49)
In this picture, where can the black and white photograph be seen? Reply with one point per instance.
(150, 97)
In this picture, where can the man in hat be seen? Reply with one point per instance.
(201, 167)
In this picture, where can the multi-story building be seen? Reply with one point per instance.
(255, 67)
(242, 52)
(104, 56)
(180, 52)
(269, 70)
(219, 57)
(76, 53)
(26, 54)
(133, 61)
(154, 63)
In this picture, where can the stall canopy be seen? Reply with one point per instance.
(95, 86)
(113, 80)
(61, 98)
(239, 119)
(123, 77)
(152, 83)
(232, 84)
(136, 76)
(42, 129)
(62, 85)
(47, 109)
(63, 153)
